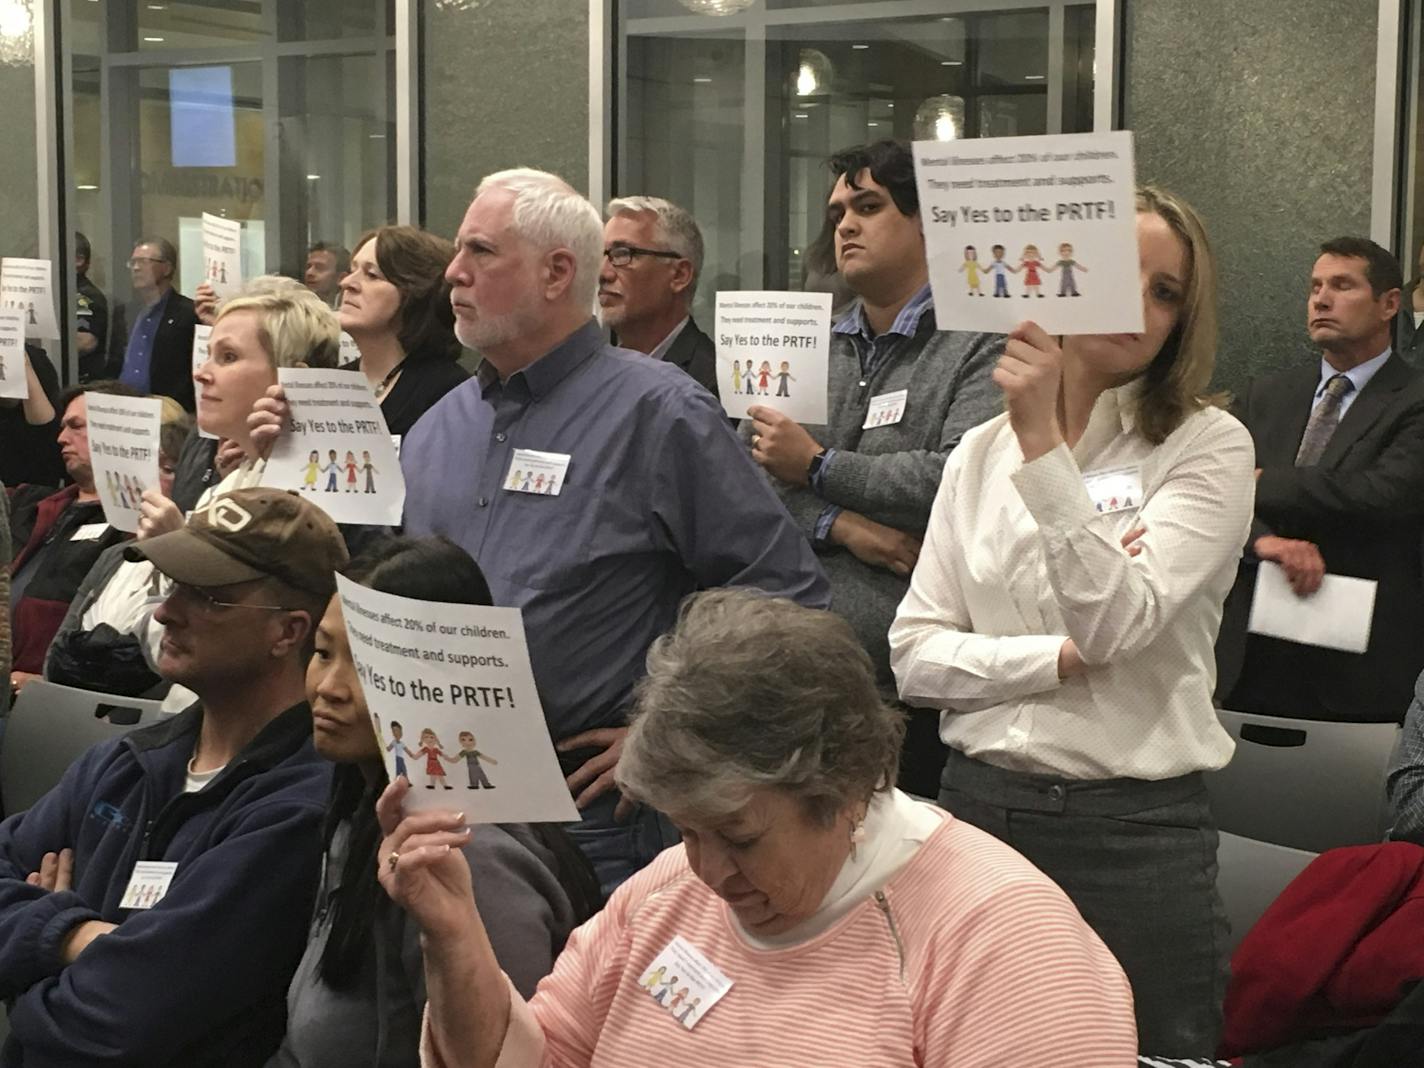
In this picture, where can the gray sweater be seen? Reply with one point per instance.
(890, 474)
(377, 1023)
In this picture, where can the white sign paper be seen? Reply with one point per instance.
(885, 410)
(123, 449)
(148, 885)
(774, 349)
(350, 352)
(201, 334)
(14, 383)
(1336, 616)
(337, 448)
(453, 702)
(222, 255)
(1040, 228)
(27, 287)
(532, 471)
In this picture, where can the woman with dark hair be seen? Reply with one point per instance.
(358, 994)
(395, 304)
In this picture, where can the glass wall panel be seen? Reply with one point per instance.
(731, 108)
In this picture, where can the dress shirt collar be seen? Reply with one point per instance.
(906, 324)
(543, 375)
(660, 350)
(1359, 375)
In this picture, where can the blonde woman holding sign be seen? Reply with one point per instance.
(1063, 613)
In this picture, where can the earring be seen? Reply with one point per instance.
(857, 835)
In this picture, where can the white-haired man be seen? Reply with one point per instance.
(652, 259)
(653, 496)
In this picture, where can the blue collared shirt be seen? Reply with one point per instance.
(138, 357)
(1359, 377)
(872, 350)
(660, 499)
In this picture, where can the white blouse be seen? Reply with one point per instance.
(1017, 559)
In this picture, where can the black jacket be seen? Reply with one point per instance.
(695, 353)
(171, 370)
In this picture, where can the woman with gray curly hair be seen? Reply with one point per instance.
(813, 915)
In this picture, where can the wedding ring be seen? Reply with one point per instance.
(393, 860)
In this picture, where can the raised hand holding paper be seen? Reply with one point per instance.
(27, 287)
(14, 383)
(454, 707)
(337, 448)
(1040, 228)
(222, 255)
(123, 449)
(773, 349)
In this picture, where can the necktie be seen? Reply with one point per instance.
(1323, 421)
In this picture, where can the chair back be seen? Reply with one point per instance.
(1309, 784)
(1251, 875)
(52, 725)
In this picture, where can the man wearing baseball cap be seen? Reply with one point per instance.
(154, 904)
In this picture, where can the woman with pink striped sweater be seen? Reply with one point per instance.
(814, 916)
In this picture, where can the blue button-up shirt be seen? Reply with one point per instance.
(872, 349)
(138, 356)
(659, 499)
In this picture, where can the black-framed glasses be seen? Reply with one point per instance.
(622, 255)
(204, 599)
(134, 261)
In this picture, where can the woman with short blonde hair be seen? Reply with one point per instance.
(1062, 616)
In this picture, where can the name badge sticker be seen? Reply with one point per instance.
(1115, 489)
(148, 884)
(89, 532)
(531, 471)
(684, 982)
(886, 409)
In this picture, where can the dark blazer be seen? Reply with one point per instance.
(1362, 505)
(171, 371)
(694, 352)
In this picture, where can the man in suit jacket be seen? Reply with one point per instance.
(155, 353)
(652, 256)
(1340, 489)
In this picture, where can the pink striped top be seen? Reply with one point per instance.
(969, 957)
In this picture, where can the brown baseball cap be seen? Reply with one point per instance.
(251, 534)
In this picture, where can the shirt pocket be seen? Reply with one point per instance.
(545, 542)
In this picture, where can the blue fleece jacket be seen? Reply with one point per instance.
(198, 979)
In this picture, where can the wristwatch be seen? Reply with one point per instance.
(814, 468)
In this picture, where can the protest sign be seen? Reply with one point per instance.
(123, 451)
(453, 703)
(222, 255)
(1040, 228)
(773, 349)
(27, 287)
(201, 334)
(337, 448)
(14, 383)
(350, 352)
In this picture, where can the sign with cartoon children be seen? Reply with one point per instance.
(454, 707)
(1039, 228)
(684, 982)
(123, 447)
(222, 254)
(774, 349)
(27, 287)
(337, 449)
(14, 382)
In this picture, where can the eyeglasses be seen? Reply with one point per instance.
(136, 260)
(622, 255)
(205, 601)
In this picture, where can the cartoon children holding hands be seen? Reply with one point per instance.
(1029, 263)
(350, 466)
(1000, 270)
(313, 471)
(785, 376)
(472, 758)
(433, 751)
(370, 469)
(1067, 284)
(970, 268)
(332, 469)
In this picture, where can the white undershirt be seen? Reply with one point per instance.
(896, 825)
(660, 350)
(194, 781)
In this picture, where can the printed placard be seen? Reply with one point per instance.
(148, 885)
(453, 702)
(337, 449)
(350, 353)
(684, 982)
(222, 255)
(774, 349)
(123, 449)
(1041, 228)
(27, 287)
(886, 409)
(532, 471)
(14, 383)
(201, 334)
